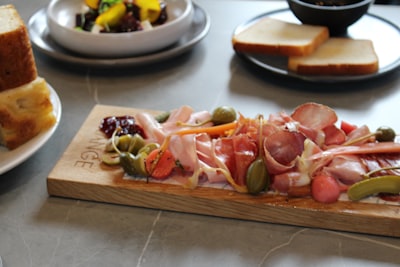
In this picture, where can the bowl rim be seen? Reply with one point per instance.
(86, 34)
(336, 8)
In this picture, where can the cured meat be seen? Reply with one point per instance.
(295, 148)
(346, 168)
(281, 149)
(314, 116)
(153, 129)
(237, 153)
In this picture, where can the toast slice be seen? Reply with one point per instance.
(338, 56)
(275, 37)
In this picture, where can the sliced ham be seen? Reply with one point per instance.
(152, 128)
(333, 135)
(346, 168)
(284, 181)
(183, 148)
(314, 116)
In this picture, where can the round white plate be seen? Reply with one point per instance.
(11, 158)
(42, 41)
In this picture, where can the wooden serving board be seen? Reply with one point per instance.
(79, 174)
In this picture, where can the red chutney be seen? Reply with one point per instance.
(126, 123)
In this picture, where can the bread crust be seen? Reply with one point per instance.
(17, 63)
(24, 112)
(275, 37)
(338, 69)
(338, 56)
(25, 105)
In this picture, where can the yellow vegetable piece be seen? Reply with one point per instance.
(112, 16)
(149, 10)
(375, 185)
(94, 4)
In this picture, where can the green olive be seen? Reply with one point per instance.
(385, 134)
(111, 158)
(257, 177)
(148, 148)
(136, 143)
(223, 114)
(162, 117)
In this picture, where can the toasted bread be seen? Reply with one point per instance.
(25, 104)
(24, 112)
(276, 37)
(338, 56)
(17, 62)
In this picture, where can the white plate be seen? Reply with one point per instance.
(384, 35)
(43, 42)
(61, 19)
(11, 158)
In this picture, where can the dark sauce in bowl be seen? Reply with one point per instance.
(331, 2)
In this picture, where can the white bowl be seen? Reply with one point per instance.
(61, 23)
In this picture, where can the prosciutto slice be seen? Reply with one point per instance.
(281, 149)
(237, 153)
(314, 116)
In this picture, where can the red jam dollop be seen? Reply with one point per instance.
(126, 123)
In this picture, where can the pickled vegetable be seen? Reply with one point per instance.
(162, 117)
(127, 162)
(257, 177)
(375, 185)
(385, 134)
(223, 114)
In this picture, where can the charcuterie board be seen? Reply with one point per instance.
(79, 174)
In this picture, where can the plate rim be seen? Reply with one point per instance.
(122, 61)
(27, 149)
(313, 78)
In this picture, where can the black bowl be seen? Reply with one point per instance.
(337, 15)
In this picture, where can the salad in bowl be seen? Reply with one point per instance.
(118, 28)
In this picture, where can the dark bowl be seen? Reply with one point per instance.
(337, 15)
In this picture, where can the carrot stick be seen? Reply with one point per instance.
(213, 130)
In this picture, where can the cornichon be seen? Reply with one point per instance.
(374, 185)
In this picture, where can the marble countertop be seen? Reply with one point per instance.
(38, 230)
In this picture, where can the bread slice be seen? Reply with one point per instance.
(338, 56)
(277, 37)
(25, 104)
(24, 112)
(17, 64)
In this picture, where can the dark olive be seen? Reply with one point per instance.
(385, 134)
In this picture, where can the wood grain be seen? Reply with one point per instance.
(79, 174)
